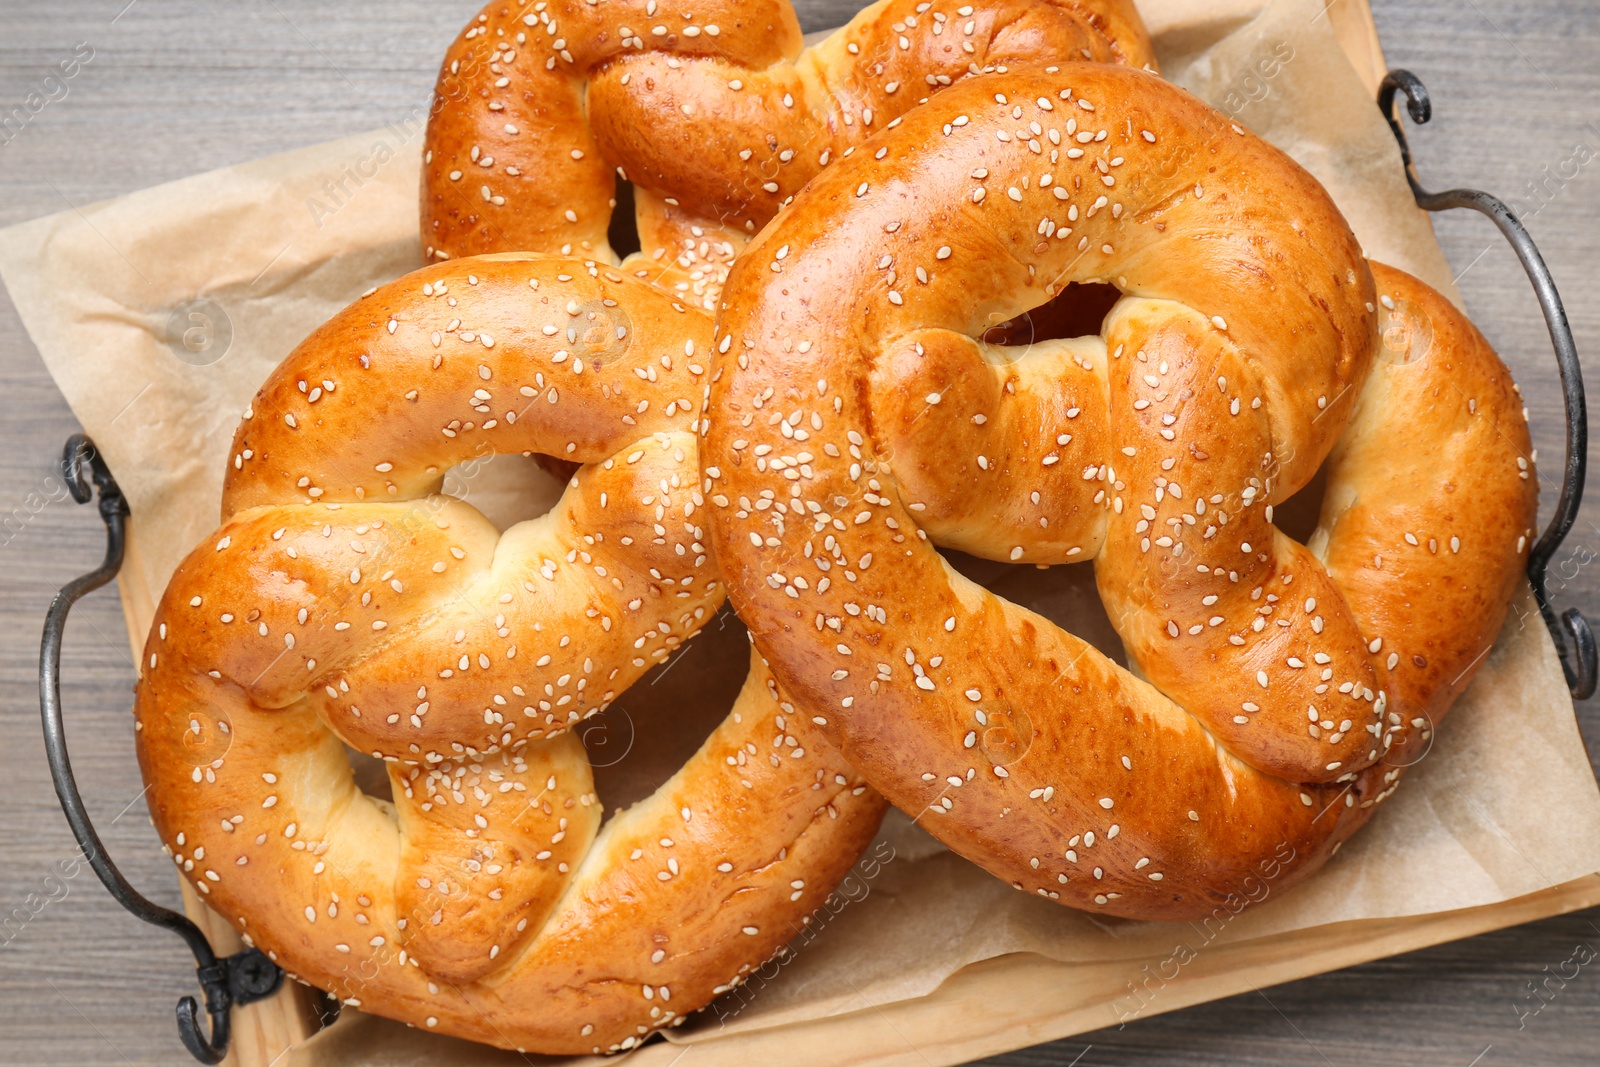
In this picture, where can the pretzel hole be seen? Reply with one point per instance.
(507, 488)
(623, 233)
(561, 470)
(371, 775)
(1066, 595)
(1297, 517)
(1077, 311)
(652, 729)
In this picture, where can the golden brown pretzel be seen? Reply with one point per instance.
(714, 112)
(855, 422)
(343, 599)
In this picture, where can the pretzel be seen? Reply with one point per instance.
(343, 600)
(714, 112)
(856, 423)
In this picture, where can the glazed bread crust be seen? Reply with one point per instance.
(857, 421)
(718, 116)
(344, 600)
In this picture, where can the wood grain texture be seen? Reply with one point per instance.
(179, 86)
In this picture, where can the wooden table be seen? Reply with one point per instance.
(173, 87)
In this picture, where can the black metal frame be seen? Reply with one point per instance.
(237, 979)
(1579, 666)
(248, 976)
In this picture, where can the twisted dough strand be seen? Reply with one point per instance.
(1288, 685)
(344, 600)
(718, 117)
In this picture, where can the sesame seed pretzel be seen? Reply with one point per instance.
(714, 112)
(344, 600)
(856, 422)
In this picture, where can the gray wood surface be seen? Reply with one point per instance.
(179, 86)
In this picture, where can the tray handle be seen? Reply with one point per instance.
(1578, 660)
(238, 979)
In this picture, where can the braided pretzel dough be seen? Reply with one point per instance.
(1284, 686)
(717, 116)
(343, 599)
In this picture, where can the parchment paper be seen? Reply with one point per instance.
(159, 313)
